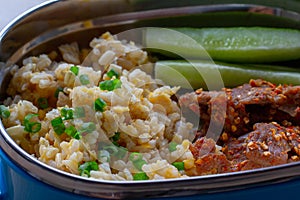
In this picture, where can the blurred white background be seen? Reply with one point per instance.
(12, 8)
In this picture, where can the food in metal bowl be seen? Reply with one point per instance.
(108, 120)
(97, 113)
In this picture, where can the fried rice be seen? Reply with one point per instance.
(138, 130)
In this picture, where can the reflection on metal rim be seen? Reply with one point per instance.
(131, 17)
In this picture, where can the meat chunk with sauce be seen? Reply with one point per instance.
(208, 158)
(238, 109)
(267, 145)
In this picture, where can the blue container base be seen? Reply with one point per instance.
(16, 184)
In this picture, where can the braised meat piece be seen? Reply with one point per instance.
(268, 144)
(237, 110)
(257, 125)
(208, 158)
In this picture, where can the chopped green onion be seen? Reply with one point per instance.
(137, 160)
(115, 138)
(87, 167)
(88, 127)
(112, 73)
(75, 70)
(110, 85)
(4, 111)
(134, 156)
(43, 103)
(103, 156)
(140, 176)
(99, 105)
(172, 146)
(79, 112)
(58, 125)
(57, 91)
(31, 126)
(179, 165)
(72, 131)
(84, 79)
(66, 113)
(77, 135)
(139, 164)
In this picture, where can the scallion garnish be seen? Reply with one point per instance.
(115, 138)
(137, 160)
(140, 176)
(110, 85)
(43, 103)
(172, 146)
(57, 91)
(75, 70)
(134, 156)
(179, 165)
(87, 167)
(99, 105)
(66, 113)
(112, 73)
(72, 131)
(58, 125)
(31, 126)
(4, 111)
(139, 164)
(84, 79)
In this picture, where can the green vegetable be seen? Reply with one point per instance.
(84, 79)
(87, 167)
(115, 138)
(178, 165)
(139, 164)
(72, 131)
(43, 102)
(140, 176)
(66, 113)
(57, 91)
(58, 125)
(4, 111)
(172, 146)
(31, 126)
(110, 85)
(231, 44)
(205, 74)
(75, 70)
(137, 160)
(112, 73)
(99, 104)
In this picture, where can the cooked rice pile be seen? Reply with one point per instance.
(140, 118)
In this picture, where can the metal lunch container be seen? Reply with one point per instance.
(54, 22)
